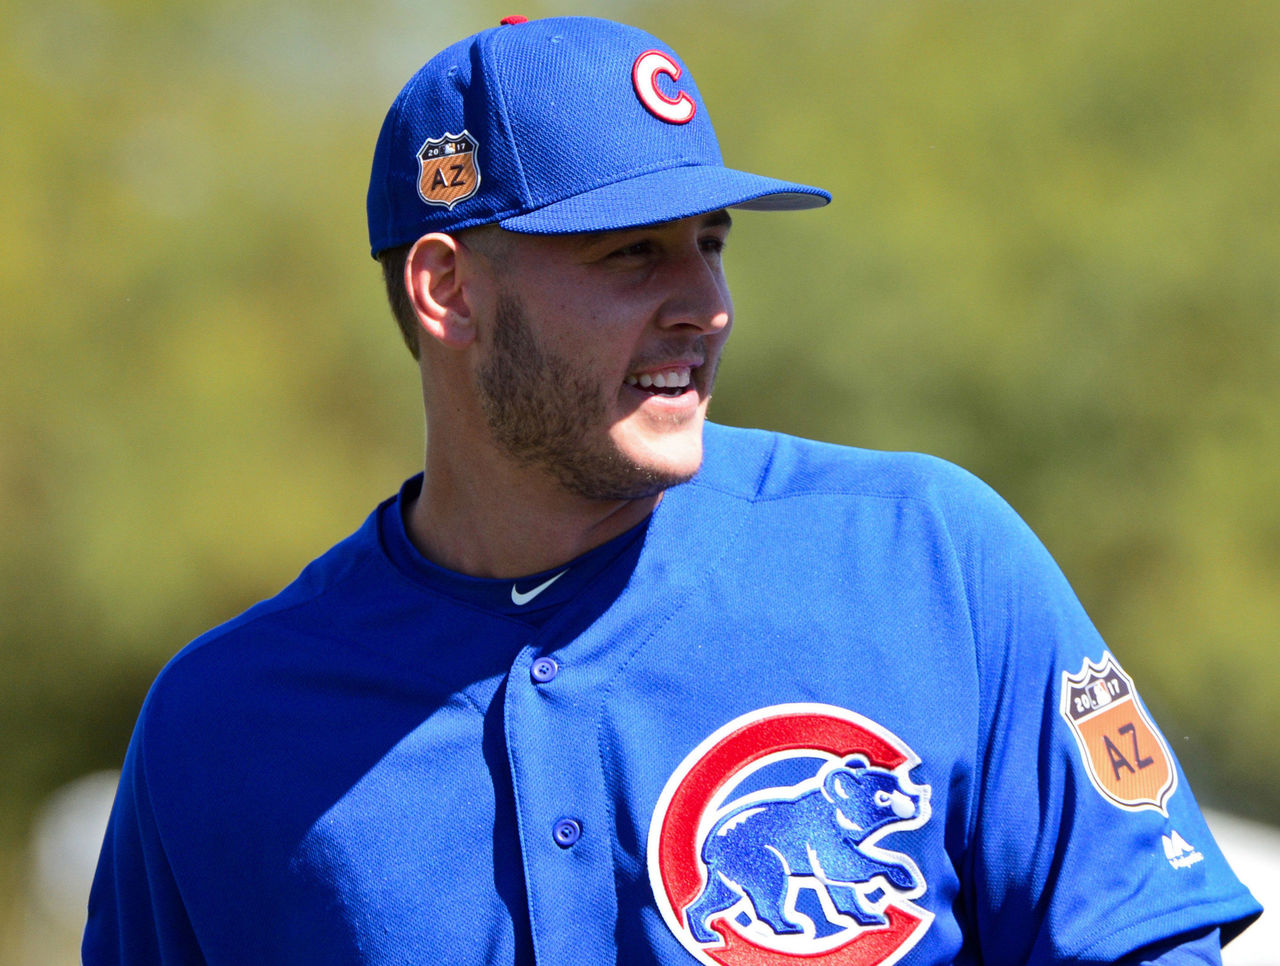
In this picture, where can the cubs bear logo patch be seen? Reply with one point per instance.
(1124, 753)
(447, 169)
(764, 847)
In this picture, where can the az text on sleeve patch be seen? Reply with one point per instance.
(1124, 753)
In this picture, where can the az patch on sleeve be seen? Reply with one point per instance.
(1124, 753)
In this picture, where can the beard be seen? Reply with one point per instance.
(544, 412)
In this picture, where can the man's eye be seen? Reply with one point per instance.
(715, 245)
(633, 250)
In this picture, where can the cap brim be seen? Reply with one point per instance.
(665, 195)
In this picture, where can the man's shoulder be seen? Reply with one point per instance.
(330, 591)
(766, 465)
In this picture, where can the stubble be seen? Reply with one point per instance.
(544, 412)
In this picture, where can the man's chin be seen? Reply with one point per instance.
(674, 456)
(633, 472)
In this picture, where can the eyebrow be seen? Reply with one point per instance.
(717, 219)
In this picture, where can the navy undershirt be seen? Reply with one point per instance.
(497, 595)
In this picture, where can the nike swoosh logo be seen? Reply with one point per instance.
(520, 599)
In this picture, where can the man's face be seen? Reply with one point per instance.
(603, 353)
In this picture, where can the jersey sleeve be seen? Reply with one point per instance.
(1086, 843)
(1202, 950)
(136, 912)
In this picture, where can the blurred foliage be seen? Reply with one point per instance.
(1052, 258)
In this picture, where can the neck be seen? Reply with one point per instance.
(508, 522)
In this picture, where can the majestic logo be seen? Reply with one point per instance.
(644, 75)
(447, 169)
(522, 597)
(1126, 757)
(763, 846)
(1180, 853)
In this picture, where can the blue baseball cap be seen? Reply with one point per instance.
(568, 124)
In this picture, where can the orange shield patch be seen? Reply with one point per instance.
(1126, 756)
(447, 169)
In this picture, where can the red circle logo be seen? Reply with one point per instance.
(763, 848)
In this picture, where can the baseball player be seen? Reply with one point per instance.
(607, 683)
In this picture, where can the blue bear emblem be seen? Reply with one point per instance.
(753, 851)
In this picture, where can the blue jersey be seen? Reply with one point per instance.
(826, 705)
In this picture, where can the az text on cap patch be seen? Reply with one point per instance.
(447, 169)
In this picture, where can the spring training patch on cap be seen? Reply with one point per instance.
(447, 169)
(763, 848)
(1126, 757)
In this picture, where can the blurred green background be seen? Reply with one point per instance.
(1053, 257)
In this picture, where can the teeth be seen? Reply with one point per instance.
(668, 379)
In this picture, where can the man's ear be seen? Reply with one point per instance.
(435, 277)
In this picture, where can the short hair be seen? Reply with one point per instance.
(489, 240)
(392, 261)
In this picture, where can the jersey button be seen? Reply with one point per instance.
(544, 670)
(566, 832)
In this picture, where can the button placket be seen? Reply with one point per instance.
(548, 734)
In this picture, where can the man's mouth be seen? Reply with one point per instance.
(665, 382)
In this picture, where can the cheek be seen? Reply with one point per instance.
(583, 333)
(598, 352)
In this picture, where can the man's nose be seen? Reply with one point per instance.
(698, 294)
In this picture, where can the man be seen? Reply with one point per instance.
(606, 684)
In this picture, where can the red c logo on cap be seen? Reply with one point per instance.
(644, 75)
